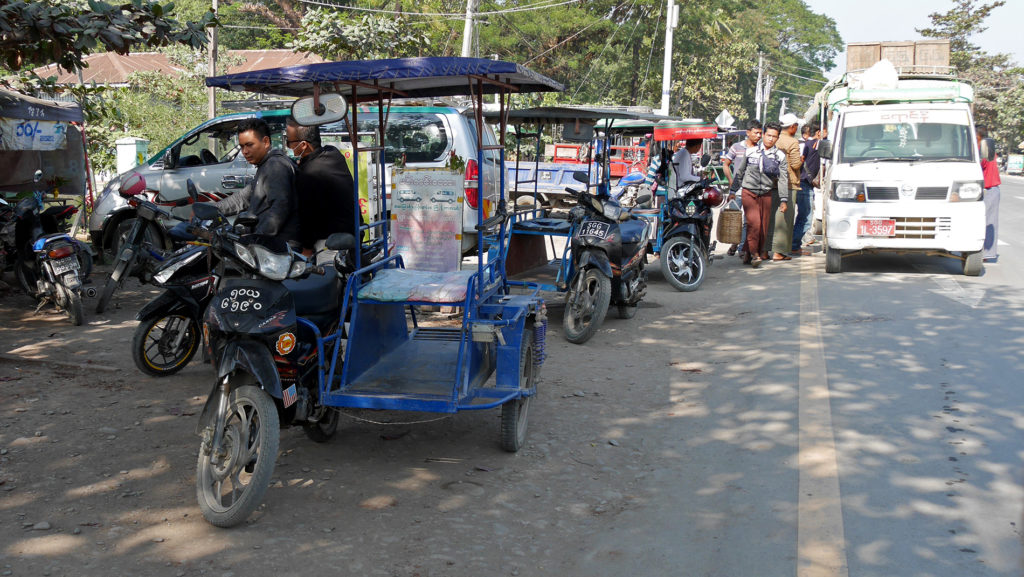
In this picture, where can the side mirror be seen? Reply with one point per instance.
(643, 199)
(193, 192)
(37, 176)
(705, 160)
(825, 149)
(580, 176)
(246, 219)
(988, 149)
(341, 241)
(332, 108)
(205, 211)
(171, 157)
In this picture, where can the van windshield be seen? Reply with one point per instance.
(420, 136)
(907, 135)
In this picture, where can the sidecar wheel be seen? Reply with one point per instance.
(515, 414)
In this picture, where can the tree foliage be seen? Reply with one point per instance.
(329, 35)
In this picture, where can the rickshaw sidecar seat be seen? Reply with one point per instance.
(316, 294)
(399, 285)
(632, 231)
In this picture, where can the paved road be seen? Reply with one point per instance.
(777, 422)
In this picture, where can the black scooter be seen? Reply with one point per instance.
(687, 248)
(608, 249)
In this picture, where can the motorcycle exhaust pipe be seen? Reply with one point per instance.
(90, 292)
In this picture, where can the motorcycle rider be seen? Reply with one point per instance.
(683, 162)
(270, 197)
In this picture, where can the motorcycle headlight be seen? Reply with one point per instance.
(611, 211)
(272, 265)
(298, 268)
(967, 190)
(243, 254)
(848, 191)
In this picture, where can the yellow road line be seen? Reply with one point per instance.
(821, 544)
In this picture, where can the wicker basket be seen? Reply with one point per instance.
(730, 226)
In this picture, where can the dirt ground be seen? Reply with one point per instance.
(97, 465)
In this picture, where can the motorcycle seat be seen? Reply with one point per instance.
(632, 231)
(315, 294)
(59, 212)
(543, 226)
(632, 178)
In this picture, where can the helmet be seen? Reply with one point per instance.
(712, 196)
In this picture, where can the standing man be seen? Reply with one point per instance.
(759, 173)
(323, 186)
(683, 161)
(270, 197)
(783, 235)
(808, 180)
(990, 170)
(736, 151)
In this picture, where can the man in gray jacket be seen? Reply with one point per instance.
(757, 173)
(270, 197)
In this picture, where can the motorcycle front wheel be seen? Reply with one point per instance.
(114, 281)
(164, 345)
(683, 263)
(231, 488)
(586, 305)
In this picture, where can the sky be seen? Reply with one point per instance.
(896, 20)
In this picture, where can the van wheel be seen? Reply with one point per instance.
(972, 263)
(833, 259)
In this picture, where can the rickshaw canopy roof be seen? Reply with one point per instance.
(22, 107)
(426, 77)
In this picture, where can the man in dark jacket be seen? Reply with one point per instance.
(270, 197)
(323, 185)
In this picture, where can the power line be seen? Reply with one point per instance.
(598, 59)
(795, 67)
(797, 75)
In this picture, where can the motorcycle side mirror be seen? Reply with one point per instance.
(205, 211)
(246, 219)
(988, 149)
(193, 192)
(643, 199)
(341, 241)
(580, 176)
(825, 149)
(705, 160)
(37, 176)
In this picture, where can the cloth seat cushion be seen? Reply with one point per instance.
(395, 285)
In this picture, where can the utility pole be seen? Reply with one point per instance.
(467, 32)
(782, 106)
(758, 89)
(212, 32)
(769, 82)
(672, 20)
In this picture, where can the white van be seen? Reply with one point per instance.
(904, 171)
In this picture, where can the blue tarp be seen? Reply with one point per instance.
(409, 77)
(22, 107)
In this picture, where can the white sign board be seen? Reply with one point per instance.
(18, 134)
(426, 218)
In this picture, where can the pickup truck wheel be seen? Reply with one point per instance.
(972, 263)
(833, 259)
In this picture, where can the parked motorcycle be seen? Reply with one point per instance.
(49, 264)
(686, 246)
(608, 250)
(138, 256)
(267, 362)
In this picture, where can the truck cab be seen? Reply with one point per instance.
(904, 171)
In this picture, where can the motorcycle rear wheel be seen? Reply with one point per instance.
(679, 269)
(230, 490)
(322, 430)
(153, 347)
(71, 302)
(586, 305)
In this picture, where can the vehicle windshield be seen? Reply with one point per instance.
(420, 136)
(920, 135)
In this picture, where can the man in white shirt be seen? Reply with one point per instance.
(683, 161)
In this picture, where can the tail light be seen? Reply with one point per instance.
(61, 252)
(472, 189)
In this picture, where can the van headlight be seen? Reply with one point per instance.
(967, 190)
(848, 191)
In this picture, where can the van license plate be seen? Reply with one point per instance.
(64, 265)
(876, 227)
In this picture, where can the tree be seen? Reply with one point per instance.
(335, 37)
(41, 32)
(958, 25)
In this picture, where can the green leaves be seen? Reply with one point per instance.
(333, 36)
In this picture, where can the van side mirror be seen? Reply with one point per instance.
(171, 157)
(988, 149)
(825, 149)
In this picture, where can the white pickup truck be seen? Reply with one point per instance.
(904, 171)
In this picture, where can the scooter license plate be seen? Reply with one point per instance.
(595, 229)
(63, 265)
(876, 227)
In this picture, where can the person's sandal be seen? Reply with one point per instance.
(755, 262)
(731, 251)
(779, 256)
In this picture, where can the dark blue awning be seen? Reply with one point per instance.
(22, 107)
(407, 77)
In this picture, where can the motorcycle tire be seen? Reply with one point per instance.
(26, 277)
(627, 311)
(150, 235)
(114, 281)
(152, 347)
(677, 267)
(229, 491)
(586, 305)
(71, 302)
(322, 430)
(515, 413)
(84, 260)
